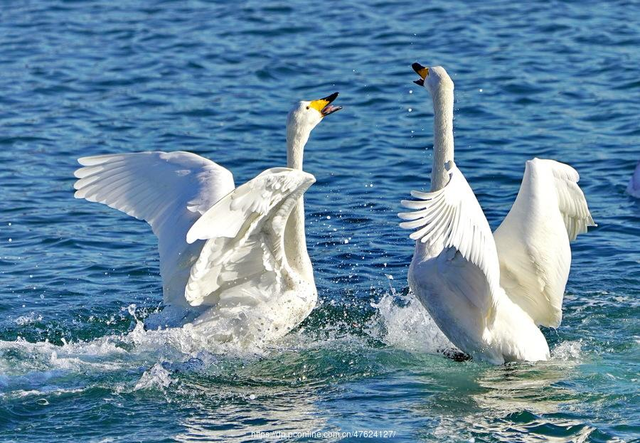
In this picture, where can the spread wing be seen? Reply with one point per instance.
(243, 260)
(572, 203)
(168, 190)
(533, 240)
(453, 218)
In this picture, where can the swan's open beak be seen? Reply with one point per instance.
(421, 71)
(323, 105)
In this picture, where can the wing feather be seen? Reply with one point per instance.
(453, 217)
(170, 191)
(243, 257)
(533, 240)
(571, 200)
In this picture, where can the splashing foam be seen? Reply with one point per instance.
(155, 378)
(403, 322)
(148, 358)
(567, 351)
(34, 368)
(28, 319)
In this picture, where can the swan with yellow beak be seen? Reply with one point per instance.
(489, 292)
(233, 261)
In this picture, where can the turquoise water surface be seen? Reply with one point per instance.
(553, 79)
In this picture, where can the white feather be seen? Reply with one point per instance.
(246, 226)
(533, 240)
(443, 211)
(168, 190)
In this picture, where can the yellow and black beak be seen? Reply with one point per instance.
(323, 105)
(422, 71)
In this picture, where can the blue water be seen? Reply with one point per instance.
(554, 79)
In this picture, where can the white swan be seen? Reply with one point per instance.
(633, 188)
(238, 254)
(460, 271)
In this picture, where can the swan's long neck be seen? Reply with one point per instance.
(295, 241)
(296, 140)
(442, 136)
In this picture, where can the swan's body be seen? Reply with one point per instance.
(488, 293)
(235, 257)
(633, 188)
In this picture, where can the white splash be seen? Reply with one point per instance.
(36, 367)
(402, 322)
(567, 351)
(24, 320)
(155, 378)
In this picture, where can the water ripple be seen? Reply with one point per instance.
(550, 79)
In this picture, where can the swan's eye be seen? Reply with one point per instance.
(307, 107)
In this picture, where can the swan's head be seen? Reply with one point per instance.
(433, 78)
(305, 115)
(300, 122)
